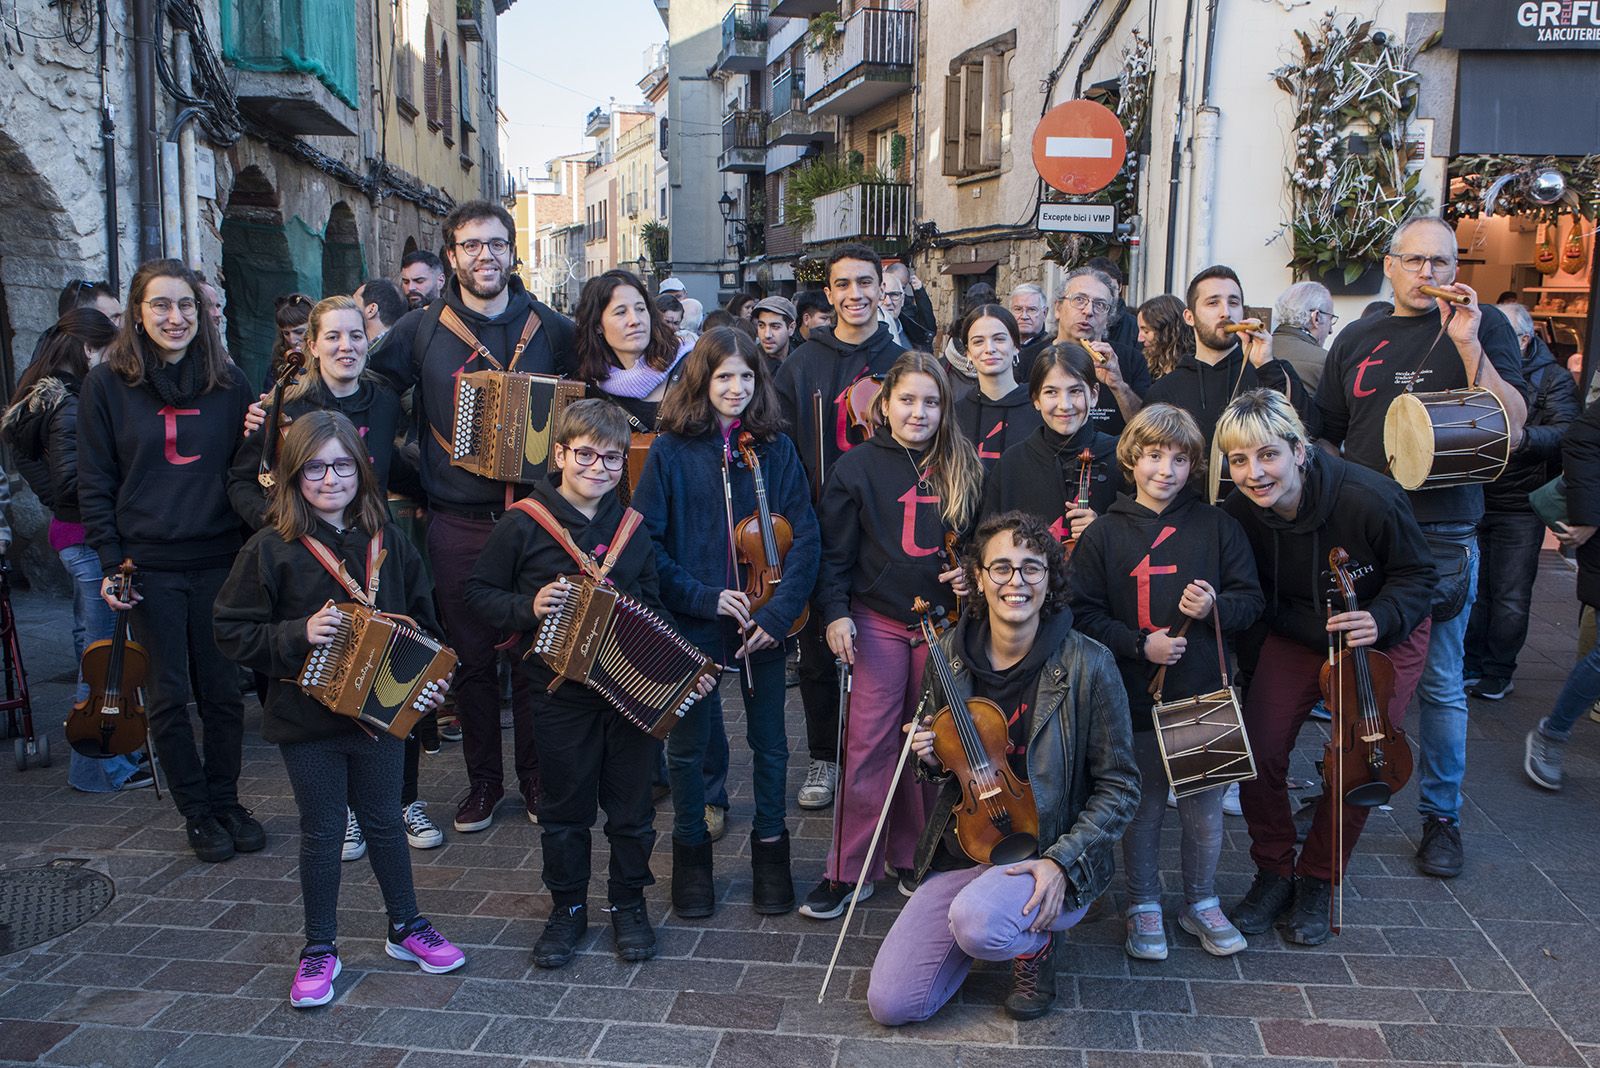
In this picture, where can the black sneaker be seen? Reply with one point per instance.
(1440, 852)
(631, 931)
(1308, 921)
(246, 831)
(562, 931)
(1492, 689)
(138, 780)
(830, 899)
(1269, 896)
(1033, 983)
(209, 840)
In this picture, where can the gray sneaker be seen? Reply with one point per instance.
(1147, 935)
(821, 779)
(1541, 759)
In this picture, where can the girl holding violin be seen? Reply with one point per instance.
(1153, 561)
(720, 440)
(996, 411)
(327, 517)
(158, 424)
(1296, 504)
(885, 512)
(1066, 471)
(1049, 703)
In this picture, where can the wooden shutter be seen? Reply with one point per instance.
(971, 118)
(994, 70)
(952, 126)
(430, 77)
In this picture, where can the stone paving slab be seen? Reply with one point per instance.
(190, 963)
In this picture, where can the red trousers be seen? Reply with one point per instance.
(1285, 687)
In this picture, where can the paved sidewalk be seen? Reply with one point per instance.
(190, 963)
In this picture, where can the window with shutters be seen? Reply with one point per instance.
(975, 115)
(446, 78)
(405, 75)
(430, 77)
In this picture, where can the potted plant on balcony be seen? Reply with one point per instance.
(820, 177)
(822, 32)
(657, 244)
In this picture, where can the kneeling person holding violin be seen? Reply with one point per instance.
(1050, 706)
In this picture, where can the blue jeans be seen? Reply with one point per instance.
(695, 737)
(92, 621)
(1510, 543)
(1442, 699)
(1581, 691)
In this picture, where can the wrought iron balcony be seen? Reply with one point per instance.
(744, 39)
(866, 63)
(744, 142)
(791, 124)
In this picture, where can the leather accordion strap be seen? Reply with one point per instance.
(552, 526)
(1222, 657)
(452, 322)
(341, 574)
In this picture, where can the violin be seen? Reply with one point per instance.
(1085, 473)
(293, 363)
(111, 720)
(1367, 760)
(952, 556)
(996, 820)
(857, 411)
(762, 539)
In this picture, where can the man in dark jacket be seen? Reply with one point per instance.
(917, 320)
(1510, 535)
(1086, 313)
(1067, 717)
(818, 372)
(421, 351)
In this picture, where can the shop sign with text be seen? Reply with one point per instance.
(1522, 25)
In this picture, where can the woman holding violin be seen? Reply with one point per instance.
(1297, 504)
(736, 578)
(1051, 706)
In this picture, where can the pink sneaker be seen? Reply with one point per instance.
(313, 980)
(429, 949)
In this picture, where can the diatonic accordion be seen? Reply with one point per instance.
(379, 668)
(504, 421)
(626, 653)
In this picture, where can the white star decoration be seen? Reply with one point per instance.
(1382, 78)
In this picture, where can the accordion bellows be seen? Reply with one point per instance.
(379, 669)
(623, 651)
(504, 422)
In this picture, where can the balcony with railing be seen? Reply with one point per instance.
(870, 212)
(295, 62)
(744, 39)
(597, 122)
(865, 63)
(469, 19)
(744, 142)
(791, 123)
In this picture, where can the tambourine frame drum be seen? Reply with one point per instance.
(1455, 437)
(1203, 742)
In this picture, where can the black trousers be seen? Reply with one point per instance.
(819, 689)
(590, 757)
(173, 623)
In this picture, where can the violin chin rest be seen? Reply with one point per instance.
(1368, 795)
(1014, 848)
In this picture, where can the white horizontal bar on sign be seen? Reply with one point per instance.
(1078, 147)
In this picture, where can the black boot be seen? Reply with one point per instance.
(562, 932)
(693, 895)
(1269, 896)
(773, 893)
(1308, 921)
(1033, 984)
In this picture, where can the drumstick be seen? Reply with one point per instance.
(1445, 294)
(1094, 353)
(1242, 328)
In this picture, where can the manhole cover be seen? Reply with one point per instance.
(38, 904)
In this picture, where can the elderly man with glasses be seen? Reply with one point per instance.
(1429, 344)
(1302, 320)
(1083, 316)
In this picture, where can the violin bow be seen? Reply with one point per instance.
(1336, 777)
(733, 557)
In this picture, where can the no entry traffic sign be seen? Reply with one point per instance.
(1079, 146)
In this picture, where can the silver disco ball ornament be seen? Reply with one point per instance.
(1546, 186)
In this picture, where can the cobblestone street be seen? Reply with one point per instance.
(190, 963)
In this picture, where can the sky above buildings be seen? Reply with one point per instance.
(559, 61)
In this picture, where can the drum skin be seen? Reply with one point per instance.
(1456, 437)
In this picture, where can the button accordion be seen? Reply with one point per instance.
(504, 422)
(626, 653)
(379, 668)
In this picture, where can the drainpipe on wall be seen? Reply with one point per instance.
(144, 128)
(190, 186)
(108, 158)
(1203, 187)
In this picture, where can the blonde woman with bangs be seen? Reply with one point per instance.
(885, 511)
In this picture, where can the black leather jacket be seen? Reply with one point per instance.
(1080, 764)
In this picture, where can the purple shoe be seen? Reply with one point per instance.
(424, 946)
(313, 980)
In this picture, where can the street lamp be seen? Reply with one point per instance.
(726, 205)
(735, 237)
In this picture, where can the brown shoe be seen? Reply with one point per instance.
(531, 796)
(477, 811)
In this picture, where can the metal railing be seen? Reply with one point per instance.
(744, 128)
(869, 210)
(744, 22)
(788, 91)
(873, 36)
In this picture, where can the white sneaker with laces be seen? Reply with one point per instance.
(420, 831)
(822, 777)
(355, 843)
(1230, 800)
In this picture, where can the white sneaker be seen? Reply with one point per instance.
(822, 777)
(355, 843)
(420, 831)
(1172, 798)
(1230, 800)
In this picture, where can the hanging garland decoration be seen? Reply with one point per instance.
(1132, 106)
(1528, 189)
(1349, 187)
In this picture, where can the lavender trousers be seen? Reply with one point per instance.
(954, 918)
